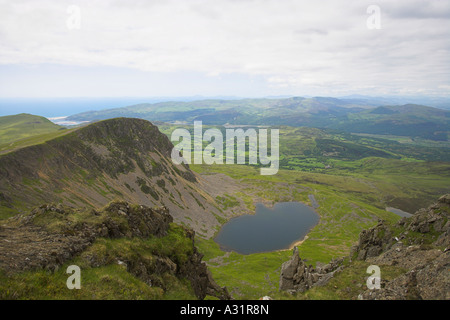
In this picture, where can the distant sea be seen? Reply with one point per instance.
(61, 107)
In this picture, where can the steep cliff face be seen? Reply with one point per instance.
(127, 159)
(143, 240)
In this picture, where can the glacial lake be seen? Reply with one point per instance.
(269, 229)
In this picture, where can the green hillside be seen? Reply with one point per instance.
(20, 126)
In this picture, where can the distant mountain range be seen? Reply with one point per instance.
(355, 115)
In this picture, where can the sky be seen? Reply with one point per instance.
(241, 48)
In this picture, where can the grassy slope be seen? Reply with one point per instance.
(17, 127)
(32, 140)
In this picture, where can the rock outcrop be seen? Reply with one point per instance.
(419, 245)
(201, 278)
(52, 235)
(297, 276)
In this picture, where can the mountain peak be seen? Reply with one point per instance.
(129, 134)
(123, 158)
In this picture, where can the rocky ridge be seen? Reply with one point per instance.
(52, 235)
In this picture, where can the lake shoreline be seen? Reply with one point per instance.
(268, 228)
(296, 244)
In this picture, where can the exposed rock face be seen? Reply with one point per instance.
(201, 278)
(428, 275)
(296, 276)
(142, 221)
(373, 241)
(419, 245)
(49, 236)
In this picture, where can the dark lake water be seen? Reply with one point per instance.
(399, 212)
(269, 229)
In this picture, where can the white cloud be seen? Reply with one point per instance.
(294, 44)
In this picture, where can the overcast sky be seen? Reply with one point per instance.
(249, 48)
